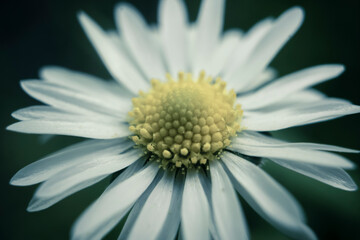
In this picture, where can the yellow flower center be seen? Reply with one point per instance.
(186, 122)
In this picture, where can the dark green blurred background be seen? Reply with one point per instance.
(38, 33)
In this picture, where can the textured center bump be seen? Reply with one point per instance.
(185, 122)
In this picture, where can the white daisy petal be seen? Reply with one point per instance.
(86, 83)
(112, 206)
(208, 29)
(229, 220)
(128, 172)
(173, 219)
(224, 52)
(80, 128)
(258, 139)
(298, 115)
(74, 101)
(289, 153)
(39, 203)
(121, 45)
(135, 210)
(290, 84)
(322, 147)
(268, 198)
(206, 183)
(281, 31)
(173, 26)
(264, 77)
(195, 211)
(116, 62)
(158, 204)
(335, 177)
(190, 40)
(310, 95)
(294, 100)
(137, 37)
(245, 48)
(70, 177)
(76, 154)
(42, 112)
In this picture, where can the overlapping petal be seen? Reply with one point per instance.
(80, 153)
(173, 24)
(208, 29)
(107, 210)
(195, 211)
(137, 37)
(267, 197)
(228, 216)
(116, 61)
(282, 30)
(291, 116)
(288, 85)
(289, 152)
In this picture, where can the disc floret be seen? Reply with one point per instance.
(186, 122)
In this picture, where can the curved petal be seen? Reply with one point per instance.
(206, 184)
(47, 167)
(173, 27)
(229, 219)
(174, 217)
(43, 112)
(112, 206)
(137, 37)
(208, 29)
(281, 31)
(268, 198)
(332, 176)
(195, 211)
(245, 48)
(86, 83)
(288, 153)
(39, 203)
(294, 100)
(258, 139)
(116, 62)
(80, 127)
(303, 114)
(93, 168)
(264, 77)
(135, 210)
(74, 101)
(157, 204)
(290, 84)
(172, 220)
(224, 52)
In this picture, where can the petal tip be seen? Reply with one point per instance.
(81, 15)
(122, 6)
(32, 207)
(295, 14)
(84, 19)
(44, 71)
(15, 181)
(297, 11)
(12, 127)
(337, 68)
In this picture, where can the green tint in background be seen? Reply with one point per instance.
(38, 33)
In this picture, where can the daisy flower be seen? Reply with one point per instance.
(183, 127)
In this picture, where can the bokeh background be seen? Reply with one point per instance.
(38, 33)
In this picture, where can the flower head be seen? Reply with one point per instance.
(185, 123)
(180, 126)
